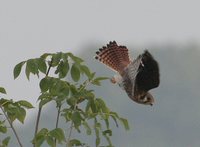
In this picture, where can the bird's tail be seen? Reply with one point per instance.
(114, 56)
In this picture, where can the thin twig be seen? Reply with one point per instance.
(11, 125)
(37, 121)
(70, 129)
(40, 109)
(57, 119)
(70, 133)
(58, 116)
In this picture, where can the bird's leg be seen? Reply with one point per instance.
(116, 79)
(112, 80)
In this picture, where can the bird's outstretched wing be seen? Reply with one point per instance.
(114, 56)
(148, 73)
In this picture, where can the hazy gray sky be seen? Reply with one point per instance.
(30, 28)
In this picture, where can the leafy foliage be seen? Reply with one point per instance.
(15, 110)
(11, 111)
(49, 136)
(17, 69)
(3, 128)
(5, 142)
(68, 88)
(2, 90)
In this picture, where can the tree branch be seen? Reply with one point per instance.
(40, 109)
(12, 127)
(57, 119)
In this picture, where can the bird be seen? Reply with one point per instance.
(135, 76)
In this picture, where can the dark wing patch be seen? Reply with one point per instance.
(148, 73)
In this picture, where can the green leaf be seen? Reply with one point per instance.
(87, 127)
(114, 114)
(40, 137)
(86, 71)
(21, 114)
(93, 106)
(4, 102)
(125, 123)
(107, 123)
(75, 142)
(67, 114)
(97, 141)
(50, 141)
(65, 90)
(65, 56)
(58, 134)
(73, 90)
(87, 108)
(75, 72)
(109, 132)
(92, 75)
(45, 55)
(39, 141)
(44, 101)
(75, 58)
(62, 69)
(27, 71)
(108, 138)
(43, 131)
(97, 81)
(2, 90)
(56, 87)
(17, 69)
(6, 141)
(115, 120)
(25, 104)
(32, 66)
(114, 117)
(101, 78)
(45, 96)
(45, 84)
(12, 110)
(56, 59)
(3, 129)
(42, 65)
(102, 105)
(97, 127)
(76, 118)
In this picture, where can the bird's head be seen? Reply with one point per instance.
(146, 99)
(149, 99)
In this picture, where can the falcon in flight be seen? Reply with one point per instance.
(136, 77)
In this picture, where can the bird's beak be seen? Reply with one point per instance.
(150, 98)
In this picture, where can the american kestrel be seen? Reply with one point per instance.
(136, 77)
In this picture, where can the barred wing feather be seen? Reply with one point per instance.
(132, 71)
